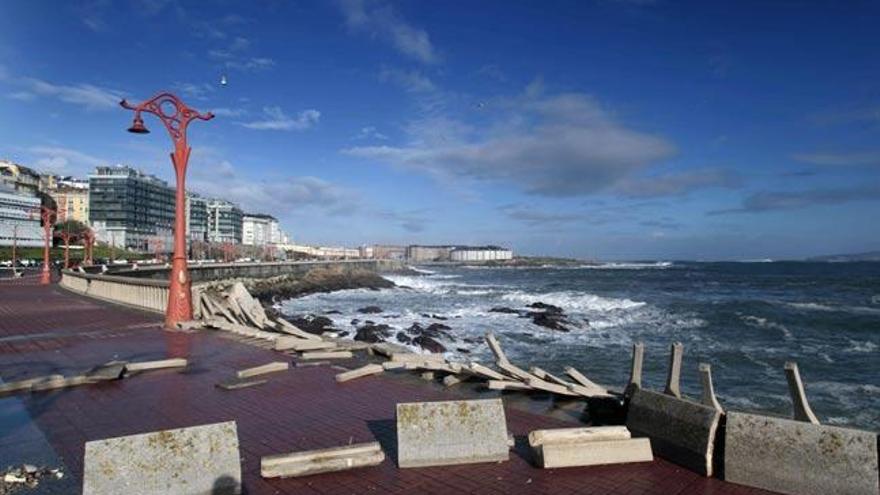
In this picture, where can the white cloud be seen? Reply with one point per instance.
(840, 159)
(411, 81)
(379, 20)
(63, 160)
(234, 56)
(677, 184)
(560, 145)
(276, 120)
(370, 132)
(21, 96)
(86, 95)
(228, 112)
(199, 91)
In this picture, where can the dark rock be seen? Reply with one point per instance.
(403, 338)
(471, 341)
(355, 322)
(551, 320)
(343, 333)
(333, 312)
(370, 310)
(429, 344)
(546, 307)
(433, 316)
(313, 324)
(373, 333)
(321, 279)
(463, 350)
(391, 317)
(434, 330)
(502, 309)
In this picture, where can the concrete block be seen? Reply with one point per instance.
(674, 376)
(798, 457)
(370, 369)
(451, 432)
(557, 455)
(328, 355)
(262, 370)
(507, 385)
(197, 460)
(299, 344)
(480, 370)
(237, 384)
(635, 374)
(155, 365)
(681, 431)
(321, 461)
(578, 435)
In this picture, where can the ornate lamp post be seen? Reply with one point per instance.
(176, 116)
(88, 238)
(48, 217)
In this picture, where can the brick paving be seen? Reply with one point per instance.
(47, 330)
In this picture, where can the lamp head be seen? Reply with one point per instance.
(138, 126)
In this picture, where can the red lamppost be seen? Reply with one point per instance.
(88, 238)
(48, 216)
(176, 116)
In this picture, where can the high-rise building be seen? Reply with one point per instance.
(128, 208)
(19, 218)
(224, 221)
(19, 178)
(196, 217)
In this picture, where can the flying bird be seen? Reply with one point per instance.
(223, 80)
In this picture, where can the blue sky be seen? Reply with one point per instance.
(598, 129)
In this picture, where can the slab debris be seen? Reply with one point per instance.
(263, 369)
(321, 461)
(370, 369)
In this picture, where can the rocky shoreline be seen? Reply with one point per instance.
(325, 279)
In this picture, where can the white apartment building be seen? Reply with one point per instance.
(483, 253)
(19, 218)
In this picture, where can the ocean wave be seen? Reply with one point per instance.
(574, 301)
(420, 270)
(857, 346)
(627, 266)
(758, 322)
(814, 306)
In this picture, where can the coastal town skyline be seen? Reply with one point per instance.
(372, 122)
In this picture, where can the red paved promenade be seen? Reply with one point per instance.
(47, 330)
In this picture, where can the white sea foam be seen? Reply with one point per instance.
(573, 301)
(813, 306)
(861, 346)
(627, 266)
(758, 322)
(420, 270)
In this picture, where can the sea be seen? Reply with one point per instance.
(745, 319)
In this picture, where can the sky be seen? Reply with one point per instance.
(596, 129)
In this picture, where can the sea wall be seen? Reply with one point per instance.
(206, 272)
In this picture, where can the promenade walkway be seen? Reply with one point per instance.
(46, 330)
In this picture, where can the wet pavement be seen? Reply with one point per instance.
(46, 330)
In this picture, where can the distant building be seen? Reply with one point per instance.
(73, 202)
(259, 230)
(19, 178)
(196, 217)
(128, 208)
(428, 253)
(386, 252)
(365, 251)
(19, 218)
(224, 222)
(478, 254)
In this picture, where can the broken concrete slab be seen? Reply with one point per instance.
(799, 457)
(114, 370)
(251, 308)
(321, 461)
(557, 455)
(155, 365)
(451, 380)
(25, 385)
(370, 369)
(480, 370)
(238, 384)
(451, 432)
(681, 431)
(328, 355)
(195, 460)
(56, 382)
(299, 344)
(287, 327)
(263, 369)
(507, 385)
(578, 435)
